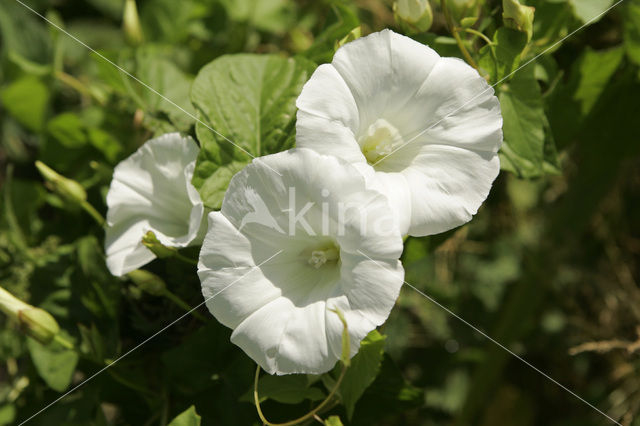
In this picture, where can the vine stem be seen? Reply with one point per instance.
(93, 212)
(454, 32)
(479, 34)
(307, 416)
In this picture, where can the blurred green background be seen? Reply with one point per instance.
(549, 267)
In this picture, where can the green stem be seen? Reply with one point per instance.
(181, 303)
(93, 212)
(479, 34)
(307, 416)
(62, 341)
(185, 259)
(454, 32)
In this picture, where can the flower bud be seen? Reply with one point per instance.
(35, 322)
(150, 241)
(354, 34)
(518, 17)
(131, 23)
(414, 15)
(67, 188)
(148, 282)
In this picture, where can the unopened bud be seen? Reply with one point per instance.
(67, 188)
(35, 322)
(354, 34)
(131, 23)
(518, 17)
(414, 15)
(148, 282)
(150, 241)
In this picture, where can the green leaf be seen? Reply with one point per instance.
(389, 394)
(26, 100)
(250, 99)
(68, 129)
(524, 121)
(7, 414)
(53, 363)
(503, 57)
(573, 101)
(166, 78)
(289, 389)
(323, 46)
(632, 30)
(188, 417)
(333, 421)
(365, 366)
(586, 10)
(273, 16)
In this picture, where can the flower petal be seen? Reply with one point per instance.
(454, 106)
(448, 184)
(279, 308)
(151, 191)
(383, 71)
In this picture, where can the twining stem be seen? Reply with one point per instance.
(479, 34)
(181, 303)
(454, 32)
(185, 259)
(93, 212)
(307, 416)
(78, 86)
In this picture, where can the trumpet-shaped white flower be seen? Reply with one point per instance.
(426, 129)
(151, 191)
(284, 250)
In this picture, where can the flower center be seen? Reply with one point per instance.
(319, 257)
(380, 140)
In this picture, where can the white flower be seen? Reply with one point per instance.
(284, 250)
(427, 129)
(151, 191)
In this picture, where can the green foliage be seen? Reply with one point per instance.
(291, 389)
(187, 418)
(54, 363)
(27, 101)
(364, 368)
(548, 263)
(249, 100)
(524, 125)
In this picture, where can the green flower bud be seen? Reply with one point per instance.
(413, 15)
(131, 23)
(67, 188)
(354, 34)
(148, 282)
(35, 322)
(518, 17)
(151, 242)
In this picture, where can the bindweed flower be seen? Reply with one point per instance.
(425, 129)
(284, 251)
(151, 191)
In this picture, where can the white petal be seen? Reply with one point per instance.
(232, 285)
(383, 71)
(327, 137)
(448, 184)
(454, 106)
(151, 191)
(279, 309)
